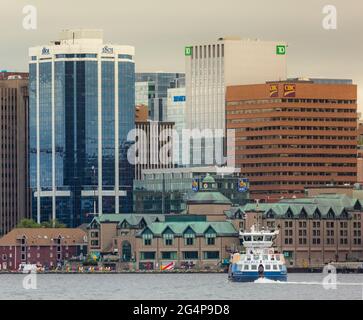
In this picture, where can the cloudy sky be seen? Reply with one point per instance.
(159, 30)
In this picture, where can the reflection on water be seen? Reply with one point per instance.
(177, 286)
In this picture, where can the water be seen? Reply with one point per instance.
(178, 286)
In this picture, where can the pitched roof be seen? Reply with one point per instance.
(323, 204)
(45, 236)
(222, 228)
(131, 218)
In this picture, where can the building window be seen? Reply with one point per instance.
(147, 242)
(189, 241)
(211, 255)
(189, 255)
(144, 255)
(168, 239)
(169, 255)
(211, 241)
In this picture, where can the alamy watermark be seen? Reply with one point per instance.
(30, 19)
(330, 20)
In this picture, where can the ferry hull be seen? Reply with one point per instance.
(252, 276)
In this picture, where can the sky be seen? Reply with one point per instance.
(160, 29)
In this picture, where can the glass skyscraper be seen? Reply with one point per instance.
(157, 85)
(82, 99)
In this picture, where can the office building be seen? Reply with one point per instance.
(294, 134)
(14, 104)
(153, 87)
(168, 190)
(211, 67)
(154, 146)
(82, 106)
(176, 113)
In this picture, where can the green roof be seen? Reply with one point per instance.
(131, 218)
(322, 205)
(222, 228)
(208, 179)
(208, 197)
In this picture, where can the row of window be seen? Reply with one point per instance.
(265, 101)
(187, 241)
(173, 255)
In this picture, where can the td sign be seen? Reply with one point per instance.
(280, 49)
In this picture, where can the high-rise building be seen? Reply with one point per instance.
(211, 67)
(82, 106)
(152, 138)
(294, 134)
(176, 113)
(154, 86)
(14, 196)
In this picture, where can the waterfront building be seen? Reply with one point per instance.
(152, 89)
(47, 247)
(312, 231)
(168, 190)
(294, 134)
(176, 113)
(149, 242)
(14, 108)
(82, 106)
(152, 138)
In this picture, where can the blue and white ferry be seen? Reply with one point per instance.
(260, 261)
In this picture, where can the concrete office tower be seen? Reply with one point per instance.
(176, 113)
(154, 87)
(14, 199)
(211, 67)
(82, 106)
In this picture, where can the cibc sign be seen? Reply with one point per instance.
(107, 50)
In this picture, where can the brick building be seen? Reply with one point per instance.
(294, 134)
(313, 231)
(41, 246)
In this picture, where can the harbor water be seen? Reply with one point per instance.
(180, 287)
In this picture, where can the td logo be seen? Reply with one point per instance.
(188, 51)
(280, 49)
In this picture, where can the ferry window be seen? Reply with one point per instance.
(248, 258)
(274, 266)
(272, 257)
(268, 238)
(257, 238)
(247, 238)
(254, 267)
(268, 267)
(265, 257)
(280, 267)
(246, 267)
(278, 257)
(256, 257)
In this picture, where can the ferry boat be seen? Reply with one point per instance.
(260, 261)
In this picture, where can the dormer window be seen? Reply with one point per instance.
(189, 236)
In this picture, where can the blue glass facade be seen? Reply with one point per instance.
(73, 99)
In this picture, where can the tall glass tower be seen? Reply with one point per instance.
(81, 100)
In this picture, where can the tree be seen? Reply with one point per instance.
(53, 224)
(28, 223)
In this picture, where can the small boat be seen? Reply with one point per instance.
(260, 259)
(27, 268)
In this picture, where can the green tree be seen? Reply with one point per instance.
(53, 224)
(28, 223)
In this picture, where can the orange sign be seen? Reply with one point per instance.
(274, 90)
(289, 90)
